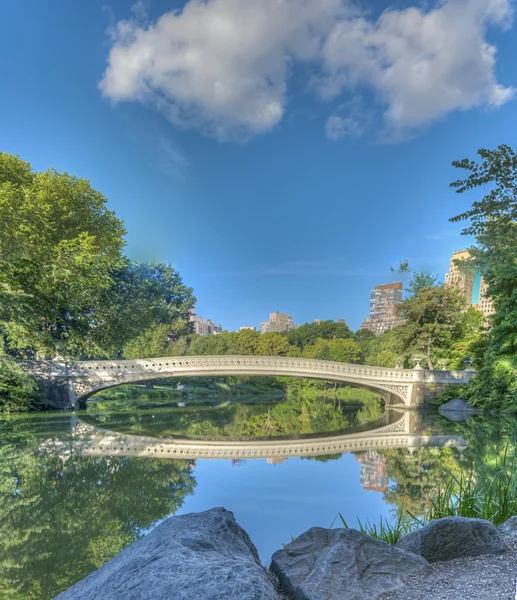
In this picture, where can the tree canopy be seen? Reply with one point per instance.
(65, 285)
(307, 334)
(493, 221)
(58, 246)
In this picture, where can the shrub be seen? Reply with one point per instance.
(18, 390)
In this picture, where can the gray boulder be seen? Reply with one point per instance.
(334, 564)
(453, 537)
(457, 410)
(203, 556)
(509, 526)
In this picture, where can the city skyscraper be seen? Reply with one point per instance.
(469, 283)
(384, 300)
(384, 296)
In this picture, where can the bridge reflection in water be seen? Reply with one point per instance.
(400, 430)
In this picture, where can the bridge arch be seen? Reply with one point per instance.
(89, 377)
(70, 382)
(390, 397)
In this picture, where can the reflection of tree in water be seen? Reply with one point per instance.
(489, 438)
(414, 478)
(302, 411)
(61, 520)
(293, 416)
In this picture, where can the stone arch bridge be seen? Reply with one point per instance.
(68, 384)
(395, 429)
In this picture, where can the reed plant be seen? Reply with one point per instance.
(463, 495)
(386, 531)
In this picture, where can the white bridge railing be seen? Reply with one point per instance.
(86, 377)
(185, 364)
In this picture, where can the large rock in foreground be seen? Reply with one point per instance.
(453, 537)
(334, 564)
(203, 556)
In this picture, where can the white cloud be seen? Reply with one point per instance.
(224, 66)
(351, 119)
(337, 127)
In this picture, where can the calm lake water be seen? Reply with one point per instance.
(73, 492)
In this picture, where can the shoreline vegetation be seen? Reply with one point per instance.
(461, 495)
(68, 289)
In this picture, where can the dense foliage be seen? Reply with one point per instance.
(493, 222)
(18, 390)
(59, 245)
(66, 286)
(326, 341)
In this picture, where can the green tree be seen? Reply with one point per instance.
(306, 335)
(493, 221)
(18, 390)
(470, 340)
(148, 304)
(58, 247)
(222, 343)
(272, 344)
(433, 321)
(419, 281)
(385, 350)
(159, 340)
(339, 350)
(247, 341)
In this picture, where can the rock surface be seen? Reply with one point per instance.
(453, 537)
(509, 526)
(334, 564)
(203, 556)
(457, 410)
(488, 577)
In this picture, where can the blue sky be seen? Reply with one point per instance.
(280, 155)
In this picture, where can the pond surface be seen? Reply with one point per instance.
(74, 490)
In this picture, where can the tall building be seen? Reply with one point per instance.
(247, 327)
(202, 326)
(277, 322)
(470, 284)
(463, 281)
(384, 300)
(384, 296)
